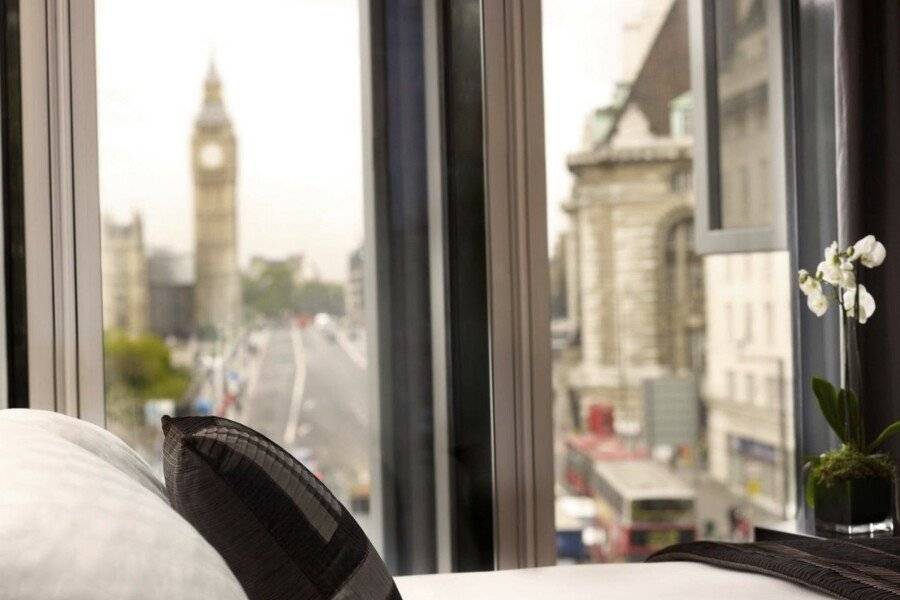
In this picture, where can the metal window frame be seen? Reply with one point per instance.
(812, 216)
(519, 299)
(711, 238)
(8, 11)
(62, 224)
(14, 298)
(64, 313)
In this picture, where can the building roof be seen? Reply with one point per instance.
(663, 77)
(643, 479)
(665, 150)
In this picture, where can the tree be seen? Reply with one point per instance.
(272, 293)
(139, 368)
(320, 296)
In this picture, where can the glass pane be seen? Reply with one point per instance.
(671, 371)
(745, 133)
(234, 256)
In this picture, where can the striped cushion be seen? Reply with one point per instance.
(281, 531)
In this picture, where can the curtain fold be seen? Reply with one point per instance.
(867, 100)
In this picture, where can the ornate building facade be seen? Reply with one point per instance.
(640, 303)
(635, 291)
(125, 287)
(217, 295)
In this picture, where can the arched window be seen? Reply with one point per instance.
(682, 320)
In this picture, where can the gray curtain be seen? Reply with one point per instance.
(867, 97)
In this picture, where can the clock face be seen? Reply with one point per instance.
(211, 155)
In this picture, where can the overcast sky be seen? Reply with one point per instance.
(291, 77)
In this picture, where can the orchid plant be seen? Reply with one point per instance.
(837, 282)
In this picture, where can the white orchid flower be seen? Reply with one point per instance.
(866, 303)
(869, 251)
(832, 253)
(808, 283)
(817, 302)
(837, 271)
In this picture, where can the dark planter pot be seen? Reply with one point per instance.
(855, 505)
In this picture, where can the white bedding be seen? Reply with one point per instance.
(82, 517)
(656, 581)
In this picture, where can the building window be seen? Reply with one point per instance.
(750, 387)
(681, 181)
(737, 83)
(769, 323)
(748, 323)
(682, 292)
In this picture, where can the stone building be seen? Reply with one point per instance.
(354, 295)
(636, 293)
(171, 277)
(217, 295)
(125, 292)
(643, 305)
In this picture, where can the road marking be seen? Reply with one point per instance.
(290, 430)
(347, 346)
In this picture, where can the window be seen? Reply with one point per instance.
(268, 250)
(748, 323)
(232, 233)
(737, 54)
(770, 323)
(658, 319)
(750, 387)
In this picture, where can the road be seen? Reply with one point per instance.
(310, 394)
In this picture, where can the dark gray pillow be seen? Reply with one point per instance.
(282, 533)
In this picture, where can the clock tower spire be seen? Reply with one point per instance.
(217, 295)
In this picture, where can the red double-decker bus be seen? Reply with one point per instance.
(642, 507)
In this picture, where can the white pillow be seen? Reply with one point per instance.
(82, 517)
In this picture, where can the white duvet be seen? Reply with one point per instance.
(656, 581)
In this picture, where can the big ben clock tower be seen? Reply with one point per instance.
(217, 295)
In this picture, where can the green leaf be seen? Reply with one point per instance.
(885, 435)
(809, 486)
(809, 490)
(848, 400)
(831, 407)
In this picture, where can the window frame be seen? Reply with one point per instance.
(60, 181)
(63, 277)
(711, 238)
(63, 317)
(519, 298)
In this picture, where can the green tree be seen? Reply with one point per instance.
(320, 296)
(139, 368)
(272, 293)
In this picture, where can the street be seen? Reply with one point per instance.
(310, 397)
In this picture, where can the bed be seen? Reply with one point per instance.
(658, 581)
(83, 518)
